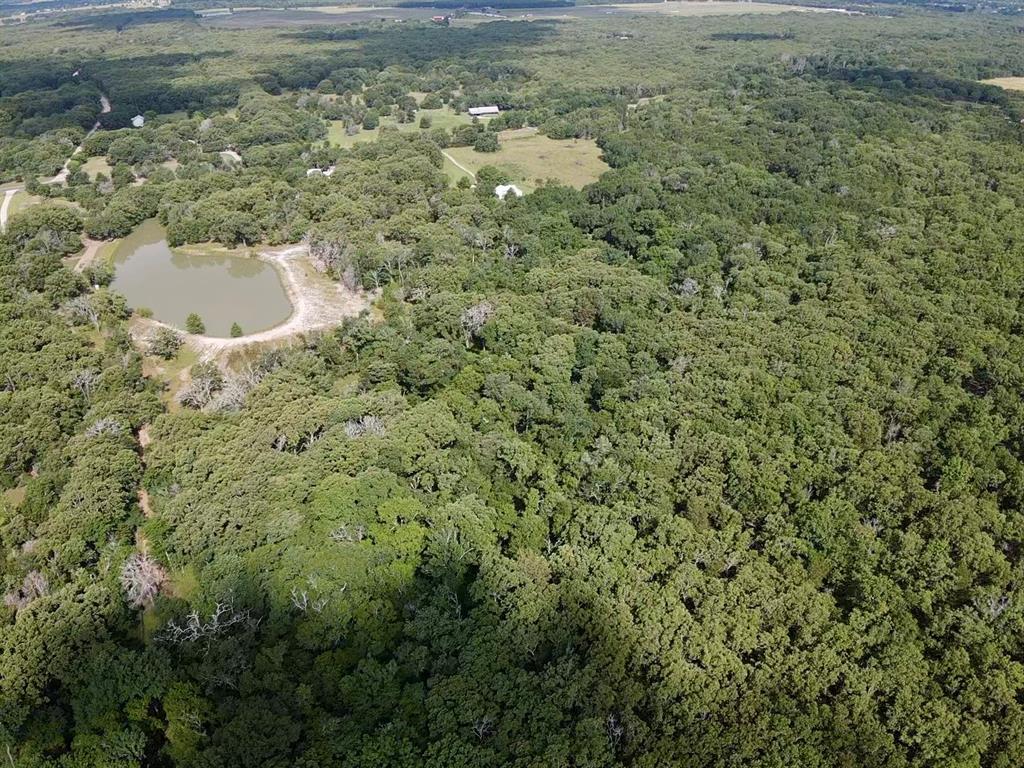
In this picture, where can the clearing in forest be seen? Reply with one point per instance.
(439, 118)
(1009, 83)
(318, 304)
(528, 157)
(96, 165)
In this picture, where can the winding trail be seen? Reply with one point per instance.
(62, 177)
(317, 304)
(5, 206)
(459, 165)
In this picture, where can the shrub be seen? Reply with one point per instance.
(164, 343)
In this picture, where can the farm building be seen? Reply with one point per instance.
(483, 111)
(503, 190)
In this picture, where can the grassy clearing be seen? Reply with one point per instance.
(174, 374)
(94, 166)
(644, 101)
(527, 157)
(21, 201)
(454, 172)
(14, 496)
(105, 254)
(440, 118)
(1009, 83)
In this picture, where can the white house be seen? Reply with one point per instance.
(138, 121)
(483, 111)
(319, 172)
(503, 190)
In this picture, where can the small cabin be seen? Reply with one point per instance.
(483, 111)
(138, 121)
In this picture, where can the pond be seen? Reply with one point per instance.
(221, 289)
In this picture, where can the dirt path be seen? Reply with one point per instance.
(458, 165)
(92, 249)
(5, 206)
(317, 304)
(62, 176)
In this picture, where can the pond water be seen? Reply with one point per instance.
(221, 289)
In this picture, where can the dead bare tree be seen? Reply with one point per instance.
(85, 381)
(81, 310)
(615, 730)
(141, 577)
(365, 425)
(474, 318)
(348, 535)
(482, 727)
(33, 586)
(105, 426)
(992, 606)
(193, 627)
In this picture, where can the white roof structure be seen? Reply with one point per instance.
(502, 190)
(482, 111)
(138, 121)
(319, 172)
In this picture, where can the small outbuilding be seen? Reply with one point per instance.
(504, 190)
(138, 121)
(483, 111)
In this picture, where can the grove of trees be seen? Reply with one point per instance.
(716, 461)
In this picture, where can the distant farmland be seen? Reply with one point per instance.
(528, 157)
(1009, 83)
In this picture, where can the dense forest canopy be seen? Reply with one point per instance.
(715, 461)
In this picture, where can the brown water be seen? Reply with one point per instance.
(221, 289)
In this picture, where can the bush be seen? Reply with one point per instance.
(370, 121)
(164, 343)
(425, 121)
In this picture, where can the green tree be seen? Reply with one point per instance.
(194, 324)
(486, 141)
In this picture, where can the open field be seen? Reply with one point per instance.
(94, 166)
(334, 15)
(21, 201)
(1009, 83)
(527, 157)
(440, 118)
